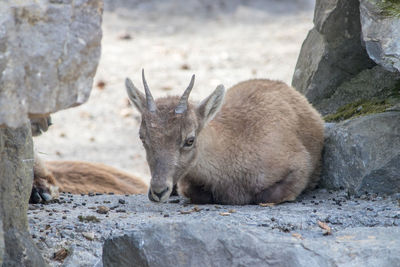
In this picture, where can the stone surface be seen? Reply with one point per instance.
(2, 247)
(370, 84)
(16, 165)
(332, 52)
(49, 51)
(381, 32)
(363, 154)
(208, 243)
(57, 225)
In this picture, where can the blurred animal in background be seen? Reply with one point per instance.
(261, 142)
(77, 177)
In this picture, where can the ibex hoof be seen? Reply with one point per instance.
(43, 192)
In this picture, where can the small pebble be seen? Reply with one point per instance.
(61, 254)
(88, 235)
(102, 209)
(121, 201)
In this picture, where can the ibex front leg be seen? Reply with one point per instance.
(197, 194)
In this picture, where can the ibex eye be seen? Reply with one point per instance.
(189, 142)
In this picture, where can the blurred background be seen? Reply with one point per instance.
(221, 41)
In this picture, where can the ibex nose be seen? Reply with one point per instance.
(158, 194)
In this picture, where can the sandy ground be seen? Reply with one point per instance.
(223, 41)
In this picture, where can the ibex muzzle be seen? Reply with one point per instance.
(169, 134)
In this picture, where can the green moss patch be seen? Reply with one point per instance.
(381, 101)
(359, 108)
(390, 8)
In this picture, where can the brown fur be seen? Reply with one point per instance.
(80, 178)
(264, 145)
(84, 177)
(76, 177)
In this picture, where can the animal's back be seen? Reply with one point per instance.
(272, 143)
(262, 110)
(84, 177)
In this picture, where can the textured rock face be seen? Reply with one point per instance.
(381, 32)
(370, 84)
(16, 164)
(216, 244)
(363, 154)
(1, 242)
(49, 51)
(332, 52)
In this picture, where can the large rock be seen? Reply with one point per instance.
(332, 52)
(216, 244)
(380, 21)
(16, 164)
(363, 154)
(49, 51)
(2, 247)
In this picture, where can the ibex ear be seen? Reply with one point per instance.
(137, 98)
(210, 106)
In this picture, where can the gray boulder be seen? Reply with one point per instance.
(2, 247)
(363, 154)
(49, 51)
(49, 54)
(380, 21)
(16, 164)
(332, 52)
(210, 243)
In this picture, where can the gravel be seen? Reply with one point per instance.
(84, 238)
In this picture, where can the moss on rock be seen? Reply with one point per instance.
(390, 8)
(377, 104)
(359, 108)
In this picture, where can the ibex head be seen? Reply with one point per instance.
(169, 132)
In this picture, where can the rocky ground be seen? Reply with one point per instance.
(81, 224)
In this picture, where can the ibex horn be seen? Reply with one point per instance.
(182, 105)
(151, 105)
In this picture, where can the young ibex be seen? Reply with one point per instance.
(76, 177)
(262, 145)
